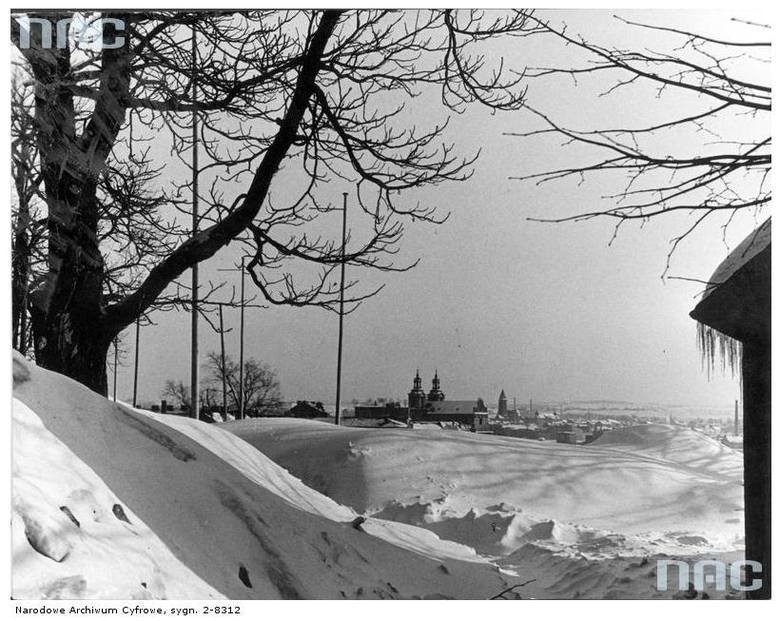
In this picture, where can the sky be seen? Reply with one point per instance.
(552, 312)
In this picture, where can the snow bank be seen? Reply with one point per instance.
(584, 521)
(111, 502)
(54, 550)
(681, 446)
(656, 483)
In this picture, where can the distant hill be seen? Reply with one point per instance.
(607, 408)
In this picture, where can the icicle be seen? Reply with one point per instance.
(714, 344)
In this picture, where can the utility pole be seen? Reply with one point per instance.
(116, 359)
(222, 348)
(341, 309)
(194, 379)
(241, 348)
(241, 341)
(135, 370)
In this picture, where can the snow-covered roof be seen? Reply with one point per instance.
(748, 248)
(736, 302)
(453, 406)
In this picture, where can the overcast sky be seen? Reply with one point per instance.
(544, 311)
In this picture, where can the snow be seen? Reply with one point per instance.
(609, 484)
(167, 507)
(113, 502)
(599, 510)
(684, 447)
(47, 475)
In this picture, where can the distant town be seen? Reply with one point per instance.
(568, 423)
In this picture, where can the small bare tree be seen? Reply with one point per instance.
(178, 392)
(262, 396)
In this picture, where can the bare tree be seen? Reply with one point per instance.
(178, 392)
(313, 96)
(26, 226)
(262, 396)
(725, 167)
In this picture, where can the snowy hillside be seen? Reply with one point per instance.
(583, 520)
(109, 502)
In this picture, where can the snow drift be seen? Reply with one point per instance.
(585, 521)
(627, 482)
(111, 502)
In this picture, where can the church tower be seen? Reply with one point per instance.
(436, 394)
(416, 395)
(502, 409)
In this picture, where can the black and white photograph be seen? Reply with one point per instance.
(388, 303)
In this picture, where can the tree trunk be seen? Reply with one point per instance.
(72, 326)
(67, 343)
(72, 335)
(20, 278)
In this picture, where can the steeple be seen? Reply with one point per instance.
(416, 395)
(502, 409)
(436, 394)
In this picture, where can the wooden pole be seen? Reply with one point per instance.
(241, 349)
(116, 359)
(135, 364)
(341, 309)
(222, 347)
(194, 379)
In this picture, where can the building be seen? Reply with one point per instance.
(435, 408)
(734, 318)
(430, 408)
(504, 414)
(305, 409)
(570, 435)
(502, 409)
(435, 394)
(391, 409)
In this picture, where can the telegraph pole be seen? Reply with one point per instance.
(341, 309)
(116, 359)
(194, 379)
(135, 364)
(222, 347)
(241, 348)
(241, 341)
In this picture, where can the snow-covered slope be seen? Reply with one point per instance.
(110, 502)
(679, 445)
(621, 485)
(604, 508)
